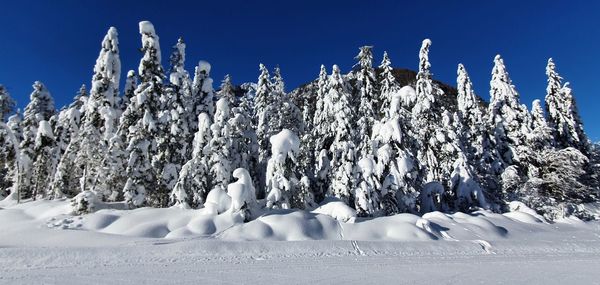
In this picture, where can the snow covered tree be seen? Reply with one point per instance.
(278, 83)
(66, 130)
(220, 146)
(8, 140)
(44, 161)
(178, 76)
(227, 91)
(40, 108)
(387, 85)
(14, 124)
(263, 112)
(541, 134)
(102, 112)
(115, 161)
(465, 187)
(289, 116)
(321, 135)
(173, 130)
(285, 113)
(367, 100)
(243, 194)
(243, 139)
(283, 184)
(129, 91)
(430, 124)
(195, 180)
(201, 100)
(563, 117)
(242, 120)
(141, 147)
(308, 142)
(396, 167)
(559, 187)
(367, 196)
(113, 168)
(473, 135)
(68, 121)
(7, 103)
(340, 117)
(508, 122)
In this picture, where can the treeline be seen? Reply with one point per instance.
(169, 139)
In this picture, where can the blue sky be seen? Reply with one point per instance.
(57, 42)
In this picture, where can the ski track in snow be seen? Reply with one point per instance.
(482, 248)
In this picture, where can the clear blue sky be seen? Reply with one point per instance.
(57, 42)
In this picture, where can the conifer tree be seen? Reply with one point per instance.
(342, 149)
(114, 163)
(367, 100)
(14, 124)
(68, 122)
(7, 103)
(367, 192)
(283, 185)
(388, 86)
(173, 130)
(243, 139)
(563, 117)
(67, 129)
(541, 136)
(263, 112)
(308, 142)
(8, 141)
(396, 166)
(195, 180)
(278, 87)
(509, 124)
(245, 115)
(40, 107)
(227, 91)
(220, 146)
(201, 99)
(141, 144)
(129, 91)
(321, 134)
(430, 124)
(102, 109)
(45, 160)
(473, 134)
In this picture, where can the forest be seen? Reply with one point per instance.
(381, 145)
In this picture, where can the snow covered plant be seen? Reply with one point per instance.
(376, 141)
(85, 202)
(243, 194)
(281, 179)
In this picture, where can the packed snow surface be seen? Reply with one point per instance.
(41, 242)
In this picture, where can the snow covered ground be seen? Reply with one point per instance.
(40, 242)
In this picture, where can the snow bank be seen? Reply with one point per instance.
(336, 209)
(50, 223)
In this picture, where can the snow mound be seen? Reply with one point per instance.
(286, 225)
(520, 212)
(50, 223)
(336, 209)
